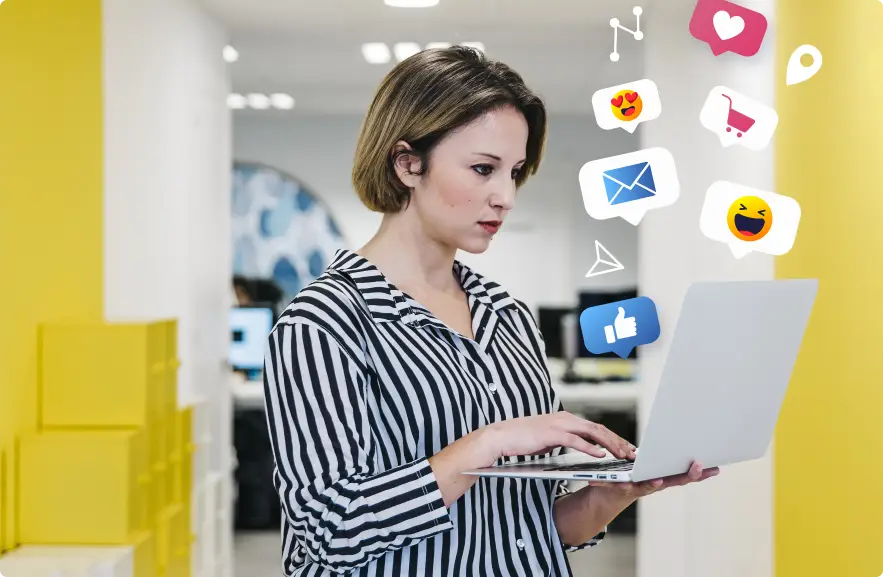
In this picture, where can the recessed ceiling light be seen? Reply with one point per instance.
(237, 101)
(376, 53)
(230, 54)
(404, 50)
(282, 101)
(477, 45)
(411, 3)
(259, 101)
(432, 45)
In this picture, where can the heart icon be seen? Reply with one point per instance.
(617, 102)
(728, 26)
(631, 96)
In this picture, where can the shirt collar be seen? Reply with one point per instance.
(387, 303)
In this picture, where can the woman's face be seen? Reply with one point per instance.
(469, 188)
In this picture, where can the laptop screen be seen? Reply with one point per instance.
(249, 328)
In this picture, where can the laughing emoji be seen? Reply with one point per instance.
(627, 105)
(750, 218)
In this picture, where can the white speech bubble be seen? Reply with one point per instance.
(745, 121)
(606, 115)
(649, 181)
(784, 213)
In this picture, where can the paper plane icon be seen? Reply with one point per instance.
(604, 262)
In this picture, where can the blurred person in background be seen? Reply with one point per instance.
(400, 367)
(241, 286)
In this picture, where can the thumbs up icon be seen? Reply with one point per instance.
(622, 328)
(620, 336)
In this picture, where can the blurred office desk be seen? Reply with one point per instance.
(614, 396)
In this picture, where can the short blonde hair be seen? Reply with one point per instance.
(424, 98)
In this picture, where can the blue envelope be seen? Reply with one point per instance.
(629, 183)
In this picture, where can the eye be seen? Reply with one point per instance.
(742, 207)
(483, 169)
(762, 212)
(516, 172)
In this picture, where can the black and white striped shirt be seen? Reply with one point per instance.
(363, 385)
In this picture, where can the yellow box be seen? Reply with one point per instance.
(83, 487)
(102, 374)
(144, 555)
(2, 501)
(183, 458)
(172, 366)
(173, 542)
(160, 497)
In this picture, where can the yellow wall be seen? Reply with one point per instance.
(829, 519)
(50, 187)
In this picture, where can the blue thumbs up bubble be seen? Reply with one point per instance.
(619, 327)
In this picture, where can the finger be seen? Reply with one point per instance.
(618, 446)
(579, 444)
(709, 473)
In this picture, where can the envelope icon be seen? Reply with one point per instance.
(629, 183)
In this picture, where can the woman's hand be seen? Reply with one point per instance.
(583, 514)
(541, 433)
(633, 491)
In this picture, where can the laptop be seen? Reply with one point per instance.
(721, 389)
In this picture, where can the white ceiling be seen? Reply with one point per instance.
(312, 49)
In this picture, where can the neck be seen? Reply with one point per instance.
(407, 256)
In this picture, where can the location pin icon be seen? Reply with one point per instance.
(797, 72)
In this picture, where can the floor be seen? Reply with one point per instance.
(257, 555)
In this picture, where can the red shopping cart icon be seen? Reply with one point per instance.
(737, 121)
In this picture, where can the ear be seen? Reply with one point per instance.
(407, 166)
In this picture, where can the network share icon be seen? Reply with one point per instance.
(636, 33)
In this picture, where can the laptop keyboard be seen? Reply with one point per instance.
(617, 465)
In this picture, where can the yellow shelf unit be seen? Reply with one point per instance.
(83, 487)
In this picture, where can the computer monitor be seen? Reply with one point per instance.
(250, 327)
(551, 325)
(590, 299)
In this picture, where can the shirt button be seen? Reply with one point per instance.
(519, 544)
(492, 387)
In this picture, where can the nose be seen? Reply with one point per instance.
(504, 197)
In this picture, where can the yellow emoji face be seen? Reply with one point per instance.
(627, 105)
(750, 218)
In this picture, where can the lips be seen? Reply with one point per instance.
(627, 111)
(491, 226)
(748, 226)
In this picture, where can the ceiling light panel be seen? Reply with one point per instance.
(376, 53)
(411, 3)
(404, 50)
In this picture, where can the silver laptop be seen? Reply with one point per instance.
(719, 396)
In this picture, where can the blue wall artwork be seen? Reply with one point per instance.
(281, 230)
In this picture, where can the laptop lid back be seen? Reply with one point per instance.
(731, 357)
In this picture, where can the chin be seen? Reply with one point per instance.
(475, 245)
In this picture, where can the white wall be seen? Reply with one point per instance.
(547, 245)
(167, 158)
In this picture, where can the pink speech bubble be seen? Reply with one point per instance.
(728, 27)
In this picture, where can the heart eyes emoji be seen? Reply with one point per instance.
(626, 105)
(630, 96)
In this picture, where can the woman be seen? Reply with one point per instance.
(400, 368)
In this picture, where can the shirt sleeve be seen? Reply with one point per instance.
(561, 491)
(341, 507)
